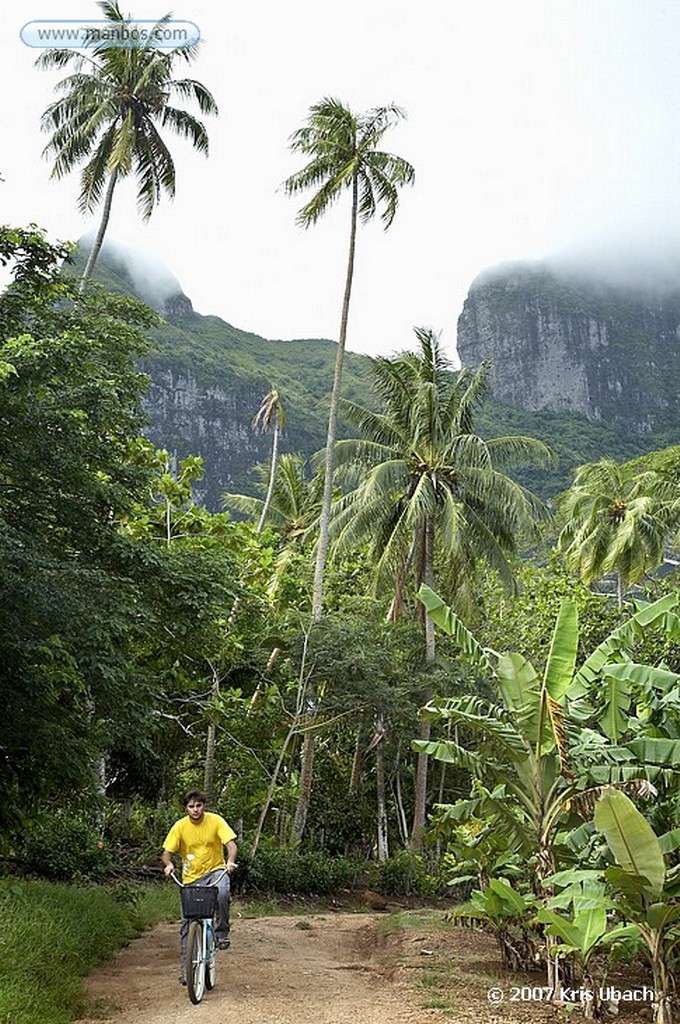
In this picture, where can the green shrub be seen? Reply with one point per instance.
(404, 875)
(65, 848)
(307, 874)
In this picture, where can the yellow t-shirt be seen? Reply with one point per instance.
(200, 845)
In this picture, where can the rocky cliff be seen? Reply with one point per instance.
(565, 343)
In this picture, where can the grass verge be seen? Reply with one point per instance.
(52, 935)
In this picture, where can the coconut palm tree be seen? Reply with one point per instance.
(109, 115)
(343, 147)
(422, 481)
(270, 416)
(618, 520)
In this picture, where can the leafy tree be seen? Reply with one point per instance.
(428, 483)
(70, 405)
(525, 620)
(110, 113)
(618, 520)
(344, 156)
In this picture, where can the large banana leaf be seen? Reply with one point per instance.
(516, 902)
(656, 750)
(446, 619)
(450, 753)
(521, 691)
(647, 677)
(582, 933)
(559, 670)
(484, 717)
(631, 839)
(662, 915)
(659, 613)
(614, 721)
(670, 842)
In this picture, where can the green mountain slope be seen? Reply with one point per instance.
(209, 377)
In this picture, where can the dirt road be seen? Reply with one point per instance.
(334, 968)
(321, 969)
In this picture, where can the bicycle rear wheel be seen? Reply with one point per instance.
(195, 962)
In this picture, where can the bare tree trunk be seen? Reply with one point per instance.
(420, 802)
(305, 797)
(257, 692)
(272, 786)
(397, 604)
(209, 771)
(355, 775)
(99, 238)
(401, 813)
(299, 704)
(325, 515)
(383, 847)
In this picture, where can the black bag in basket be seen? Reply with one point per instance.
(199, 900)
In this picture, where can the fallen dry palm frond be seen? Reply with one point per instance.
(583, 803)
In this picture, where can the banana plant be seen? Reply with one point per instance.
(510, 915)
(475, 852)
(585, 931)
(525, 780)
(646, 891)
(523, 773)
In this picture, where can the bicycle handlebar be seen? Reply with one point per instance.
(173, 876)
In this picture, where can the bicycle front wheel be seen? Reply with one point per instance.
(211, 959)
(195, 962)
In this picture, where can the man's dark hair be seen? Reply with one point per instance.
(194, 794)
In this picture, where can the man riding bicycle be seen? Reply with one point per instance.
(200, 838)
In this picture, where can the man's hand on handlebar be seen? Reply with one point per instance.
(169, 869)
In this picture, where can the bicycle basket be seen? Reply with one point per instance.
(199, 900)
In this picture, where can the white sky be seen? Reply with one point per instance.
(535, 126)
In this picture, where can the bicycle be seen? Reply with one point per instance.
(199, 903)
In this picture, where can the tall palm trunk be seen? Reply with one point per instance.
(324, 521)
(104, 223)
(272, 478)
(420, 803)
(304, 798)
